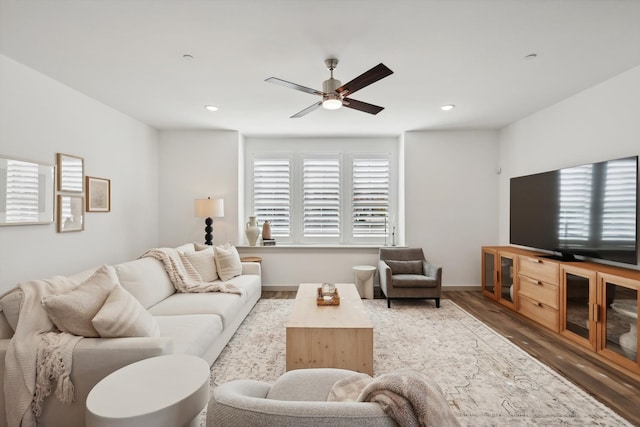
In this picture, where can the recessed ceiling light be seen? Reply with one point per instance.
(531, 56)
(211, 107)
(187, 57)
(447, 107)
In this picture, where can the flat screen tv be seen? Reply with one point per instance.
(587, 211)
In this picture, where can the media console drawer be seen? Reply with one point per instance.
(539, 269)
(539, 312)
(539, 291)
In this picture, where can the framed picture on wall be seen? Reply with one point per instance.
(26, 192)
(70, 213)
(70, 173)
(98, 194)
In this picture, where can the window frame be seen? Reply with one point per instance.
(344, 149)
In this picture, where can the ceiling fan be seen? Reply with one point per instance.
(334, 93)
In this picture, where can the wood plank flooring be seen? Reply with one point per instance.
(617, 389)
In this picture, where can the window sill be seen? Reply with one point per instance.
(308, 247)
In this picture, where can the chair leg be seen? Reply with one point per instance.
(388, 302)
(437, 302)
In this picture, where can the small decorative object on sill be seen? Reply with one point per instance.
(252, 231)
(326, 296)
(266, 230)
(268, 242)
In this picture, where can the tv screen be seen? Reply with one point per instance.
(589, 210)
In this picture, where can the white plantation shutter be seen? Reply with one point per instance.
(575, 203)
(321, 197)
(619, 218)
(272, 194)
(370, 197)
(22, 187)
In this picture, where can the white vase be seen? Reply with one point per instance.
(252, 230)
(629, 342)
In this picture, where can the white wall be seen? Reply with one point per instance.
(451, 196)
(451, 204)
(40, 117)
(600, 123)
(194, 165)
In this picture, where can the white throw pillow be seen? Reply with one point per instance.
(122, 315)
(187, 247)
(227, 261)
(72, 311)
(204, 263)
(201, 246)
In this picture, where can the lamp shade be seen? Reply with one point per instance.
(209, 208)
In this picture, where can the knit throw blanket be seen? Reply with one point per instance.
(407, 396)
(184, 277)
(37, 356)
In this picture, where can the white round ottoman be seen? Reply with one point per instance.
(163, 391)
(364, 280)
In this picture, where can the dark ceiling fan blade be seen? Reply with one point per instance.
(361, 106)
(290, 85)
(306, 110)
(378, 72)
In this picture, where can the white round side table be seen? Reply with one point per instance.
(364, 280)
(163, 391)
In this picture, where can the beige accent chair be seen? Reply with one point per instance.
(405, 273)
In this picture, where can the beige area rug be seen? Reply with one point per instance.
(487, 380)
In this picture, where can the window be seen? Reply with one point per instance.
(321, 197)
(370, 197)
(322, 192)
(272, 194)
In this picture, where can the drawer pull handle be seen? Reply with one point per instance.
(539, 283)
(536, 260)
(539, 304)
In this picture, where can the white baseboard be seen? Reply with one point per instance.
(290, 288)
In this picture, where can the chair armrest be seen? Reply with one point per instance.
(252, 268)
(432, 270)
(384, 274)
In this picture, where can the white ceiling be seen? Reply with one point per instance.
(129, 55)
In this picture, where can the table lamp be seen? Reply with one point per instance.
(209, 208)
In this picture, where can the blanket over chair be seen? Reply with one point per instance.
(184, 277)
(37, 354)
(407, 396)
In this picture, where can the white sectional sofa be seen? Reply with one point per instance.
(198, 324)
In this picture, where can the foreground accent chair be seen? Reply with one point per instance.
(405, 273)
(297, 399)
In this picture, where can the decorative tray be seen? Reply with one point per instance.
(334, 298)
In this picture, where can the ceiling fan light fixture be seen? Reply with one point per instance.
(447, 107)
(331, 102)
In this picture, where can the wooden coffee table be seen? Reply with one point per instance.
(329, 336)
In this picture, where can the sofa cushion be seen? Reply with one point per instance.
(223, 304)
(122, 315)
(228, 262)
(72, 311)
(413, 281)
(405, 267)
(146, 279)
(191, 334)
(204, 263)
(11, 304)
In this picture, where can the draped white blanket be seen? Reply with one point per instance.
(184, 277)
(409, 397)
(36, 355)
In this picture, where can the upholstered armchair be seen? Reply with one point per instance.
(298, 398)
(405, 273)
